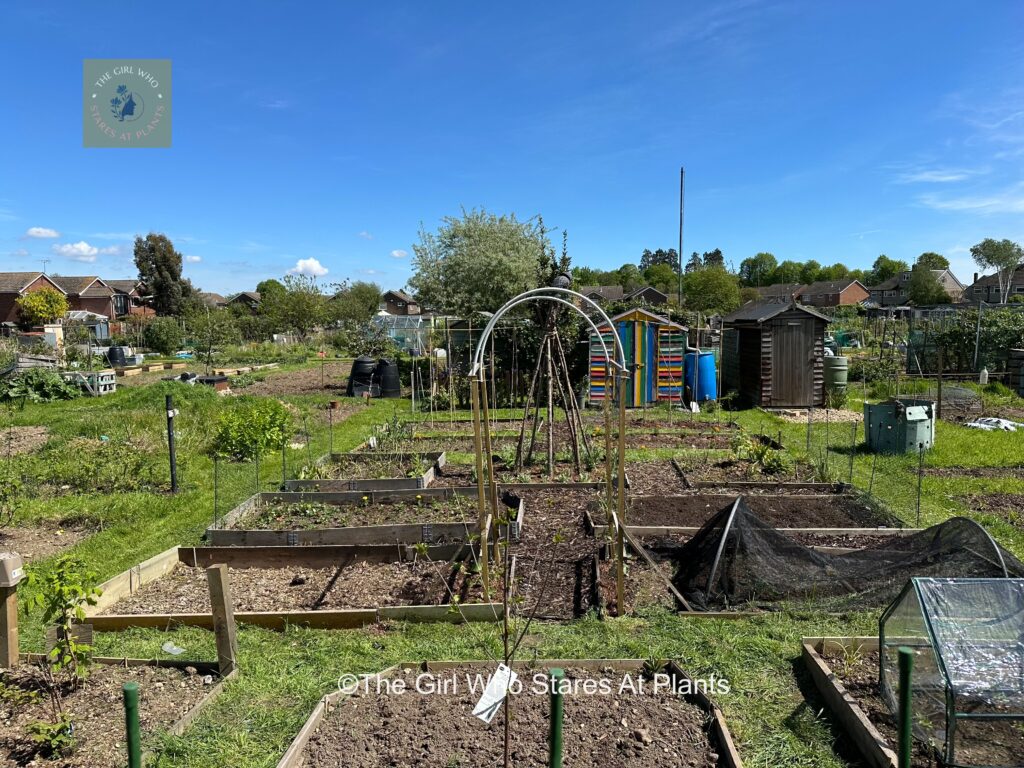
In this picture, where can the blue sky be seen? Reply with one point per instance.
(834, 131)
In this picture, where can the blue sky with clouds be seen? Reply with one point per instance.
(319, 137)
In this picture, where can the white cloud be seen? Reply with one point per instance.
(193, 259)
(310, 267)
(366, 235)
(82, 251)
(935, 176)
(41, 232)
(21, 253)
(398, 253)
(1007, 201)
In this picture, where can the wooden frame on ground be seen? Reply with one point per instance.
(436, 460)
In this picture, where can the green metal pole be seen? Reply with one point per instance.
(555, 742)
(131, 717)
(906, 661)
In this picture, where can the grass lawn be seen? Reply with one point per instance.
(283, 674)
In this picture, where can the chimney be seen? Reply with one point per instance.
(975, 277)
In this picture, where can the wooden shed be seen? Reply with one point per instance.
(653, 347)
(772, 355)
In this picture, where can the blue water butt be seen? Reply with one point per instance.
(701, 375)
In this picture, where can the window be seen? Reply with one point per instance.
(1018, 289)
(120, 303)
(978, 290)
(905, 276)
(903, 293)
(890, 293)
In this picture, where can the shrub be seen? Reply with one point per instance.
(38, 385)
(163, 335)
(870, 369)
(252, 428)
(43, 306)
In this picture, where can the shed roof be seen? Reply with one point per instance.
(761, 311)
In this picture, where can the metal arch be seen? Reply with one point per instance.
(536, 293)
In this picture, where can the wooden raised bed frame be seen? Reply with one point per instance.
(718, 730)
(131, 580)
(870, 742)
(437, 460)
(405, 533)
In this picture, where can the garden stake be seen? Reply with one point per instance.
(309, 446)
(853, 448)
(216, 484)
(906, 661)
(169, 402)
(477, 449)
(809, 421)
(874, 459)
(223, 611)
(485, 419)
(131, 719)
(920, 475)
(284, 466)
(555, 743)
(330, 429)
(257, 469)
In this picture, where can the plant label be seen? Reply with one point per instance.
(495, 692)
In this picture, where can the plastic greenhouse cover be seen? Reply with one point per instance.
(978, 629)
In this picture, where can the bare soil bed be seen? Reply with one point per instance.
(724, 470)
(991, 743)
(18, 440)
(374, 730)
(304, 381)
(37, 542)
(97, 713)
(304, 516)
(462, 475)
(643, 586)
(358, 585)
(1008, 506)
(834, 511)
(973, 471)
(654, 477)
(374, 467)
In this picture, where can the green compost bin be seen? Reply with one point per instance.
(899, 425)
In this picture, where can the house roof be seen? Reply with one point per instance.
(645, 289)
(123, 286)
(88, 286)
(779, 289)
(401, 296)
(645, 314)
(993, 279)
(250, 295)
(212, 298)
(761, 311)
(608, 292)
(16, 282)
(829, 287)
(897, 280)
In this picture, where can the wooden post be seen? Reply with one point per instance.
(9, 631)
(492, 485)
(485, 570)
(609, 387)
(622, 451)
(620, 568)
(223, 618)
(474, 392)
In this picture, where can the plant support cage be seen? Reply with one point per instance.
(967, 636)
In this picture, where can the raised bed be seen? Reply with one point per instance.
(373, 730)
(293, 586)
(353, 467)
(402, 517)
(172, 694)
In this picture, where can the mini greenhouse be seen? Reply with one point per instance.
(967, 636)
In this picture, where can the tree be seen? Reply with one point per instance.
(669, 258)
(694, 263)
(662, 277)
(163, 335)
(714, 258)
(159, 268)
(924, 287)
(837, 271)
(748, 294)
(476, 262)
(884, 268)
(301, 308)
(270, 289)
(356, 302)
(758, 269)
(629, 277)
(810, 272)
(931, 260)
(711, 289)
(210, 329)
(1004, 256)
(43, 306)
(787, 272)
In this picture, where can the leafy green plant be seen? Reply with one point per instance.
(252, 428)
(56, 738)
(163, 335)
(38, 385)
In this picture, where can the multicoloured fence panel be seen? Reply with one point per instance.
(671, 350)
(598, 366)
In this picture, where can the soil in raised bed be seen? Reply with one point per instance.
(374, 730)
(835, 511)
(304, 516)
(359, 585)
(990, 743)
(654, 477)
(383, 467)
(97, 712)
(462, 475)
(718, 470)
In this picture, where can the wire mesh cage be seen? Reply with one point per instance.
(967, 694)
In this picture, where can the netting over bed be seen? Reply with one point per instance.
(736, 558)
(967, 693)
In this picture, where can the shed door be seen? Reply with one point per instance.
(793, 363)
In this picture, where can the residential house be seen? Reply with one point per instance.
(250, 299)
(127, 298)
(895, 291)
(833, 293)
(603, 293)
(399, 303)
(607, 293)
(87, 293)
(647, 295)
(783, 292)
(986, 288)
(14, 285)
(213, 300)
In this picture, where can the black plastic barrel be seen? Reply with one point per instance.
(118, 356)
(363, 378)
(387, 375)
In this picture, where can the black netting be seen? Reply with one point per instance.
(736, 559)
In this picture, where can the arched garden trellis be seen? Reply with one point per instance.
(486, 484)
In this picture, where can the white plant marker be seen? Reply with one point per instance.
(495, 692)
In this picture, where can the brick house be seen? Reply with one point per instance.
(249, 299)
(13, 285)
(833, 293)
(87, 293)
(986, 288)
(127, 298)
(399, 303)
(895, 291)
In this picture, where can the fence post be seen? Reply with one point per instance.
(131, 719)
(223, 618)
(171, 413)
(9, 632)
(920, 475)
(216, 487)
(853, 449)
(906, 661)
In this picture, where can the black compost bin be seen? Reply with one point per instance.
(363, 378)
(387, 375)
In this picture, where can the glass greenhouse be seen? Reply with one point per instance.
(968, 682)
